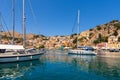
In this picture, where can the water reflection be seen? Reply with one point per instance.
(107, 67)
(102, 68)
(58, 65)
(81, 62)
(14, 71)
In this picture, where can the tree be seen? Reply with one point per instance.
(41, 35)
(41, 46)
(5, 37)
(81, 39)
(90, 35)
(118, 39)
(105, 39)
(96, 41)
(73, 34)
(100, 37)
(115, 33)
(75, 40)
(90, 29)
(74, 46)
(117, 25)
(36, 36)
(98, 27)
(18, 40)
(114, 21)
(108, 29)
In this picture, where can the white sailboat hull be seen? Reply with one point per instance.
(19, 57)
(81, 52)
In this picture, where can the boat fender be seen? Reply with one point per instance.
(17, 58)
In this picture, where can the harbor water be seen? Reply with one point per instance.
(58, 65)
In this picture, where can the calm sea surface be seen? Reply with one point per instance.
(57, 65)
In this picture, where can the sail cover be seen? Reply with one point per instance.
(4, 46)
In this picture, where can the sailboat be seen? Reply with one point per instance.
(16, 53)
(82, 50)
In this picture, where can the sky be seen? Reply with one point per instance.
(57, 17)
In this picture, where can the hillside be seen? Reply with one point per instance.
(92, 37)
(100, 33)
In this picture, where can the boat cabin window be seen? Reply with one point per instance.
(2, 50)
(32, 50)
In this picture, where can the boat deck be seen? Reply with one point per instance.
(14, 54)
(82, 52)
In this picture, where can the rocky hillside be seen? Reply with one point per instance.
(31, 39)
(99, 34)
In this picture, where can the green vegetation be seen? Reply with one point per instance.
(105, 39)
(75, 40)
(115, 33)
(98, 27)
(90, 29)
(114, 21)
(81, 39)
(106, 24)
(73, 34)
(117, 25)
(42, 35)
(6, 37)
(96, 41)
(41, 46)
(36, 36)
(108, 28)
(100, 39)
(104, 28)
(18, 40)
(62, 36)
(74, 46)
(44, 38)
(90, 35)
(118, 39)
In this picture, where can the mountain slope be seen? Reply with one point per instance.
(99, 34)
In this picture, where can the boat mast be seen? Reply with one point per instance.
(13, 20)
(78, 27)
(23, 25)
(0, 28)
